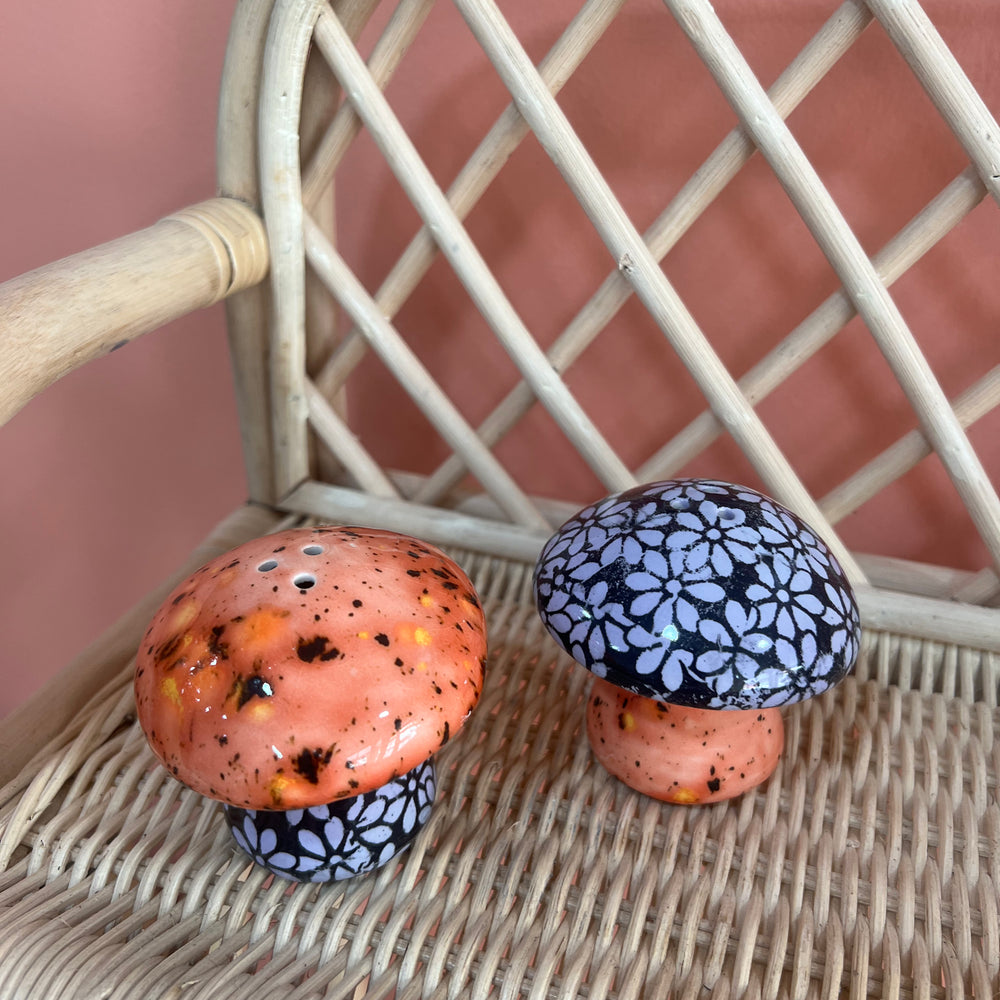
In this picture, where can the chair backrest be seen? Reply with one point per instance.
(519, 264)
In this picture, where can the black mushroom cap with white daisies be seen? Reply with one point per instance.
(699, 593)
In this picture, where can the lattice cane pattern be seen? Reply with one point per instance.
(515, 523)
(867, 866)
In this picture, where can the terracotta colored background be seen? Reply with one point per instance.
(118, 470)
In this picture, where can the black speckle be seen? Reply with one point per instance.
(310, 649)
(398, 724)
(382, 639)
(215, 646)
(446, 733)
(254, 687)
(310, 762)
(715, 784)
(357, 603)
(413, 572)
(398, 662)
(167, 650)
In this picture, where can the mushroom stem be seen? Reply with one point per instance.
(682, 755)
(344, 838)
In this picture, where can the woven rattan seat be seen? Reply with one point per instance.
(869, 864)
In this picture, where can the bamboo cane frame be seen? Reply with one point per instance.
(933, 222)
(456, 245)
(925, 230)
(866, 867)
(832, 40)
(54, 323)
(480, 170)
(847, 257)
(639, 266)
(403, 362)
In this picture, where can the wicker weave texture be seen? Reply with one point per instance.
(868, 865)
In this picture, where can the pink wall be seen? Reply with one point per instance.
(108, 123)
(113, 126)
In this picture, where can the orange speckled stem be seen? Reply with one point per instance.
(682, 755)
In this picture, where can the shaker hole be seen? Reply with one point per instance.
(266, 567)
(313, 550)
(304, 581)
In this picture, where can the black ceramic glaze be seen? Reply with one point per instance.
(699, 593)
(337, 841)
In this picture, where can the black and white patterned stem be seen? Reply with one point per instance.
(345, 838)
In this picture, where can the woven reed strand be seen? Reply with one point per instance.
(868, 863)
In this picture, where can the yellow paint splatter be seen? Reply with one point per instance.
(168, 687)
(363, 635)
(628, 721)
(265, 625)
(276, 788)
(422, 637)
(684, 796)
(258, 710)
(426, 600)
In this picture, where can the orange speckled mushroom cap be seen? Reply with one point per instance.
(310, 665)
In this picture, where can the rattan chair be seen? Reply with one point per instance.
(868, 864)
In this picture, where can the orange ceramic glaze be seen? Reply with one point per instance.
(682, 755)
(310, 665)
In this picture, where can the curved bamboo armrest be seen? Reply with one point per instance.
(60, 316)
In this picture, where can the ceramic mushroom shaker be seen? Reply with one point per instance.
(305, 679)
(686, 598)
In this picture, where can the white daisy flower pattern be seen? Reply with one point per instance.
(699, 592)
(345, 838)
